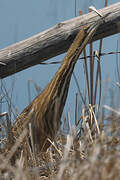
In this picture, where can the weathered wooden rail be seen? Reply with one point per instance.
(55, 41)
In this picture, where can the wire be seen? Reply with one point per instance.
(102, 54)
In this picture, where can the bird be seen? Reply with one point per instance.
(45, 111)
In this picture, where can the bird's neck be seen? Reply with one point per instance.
(58, 87)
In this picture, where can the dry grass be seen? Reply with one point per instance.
(91, 149)
(92, 155)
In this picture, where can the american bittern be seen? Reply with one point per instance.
(44, 113)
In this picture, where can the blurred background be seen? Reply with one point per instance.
(22, 19)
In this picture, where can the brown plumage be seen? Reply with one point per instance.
(45, 111)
